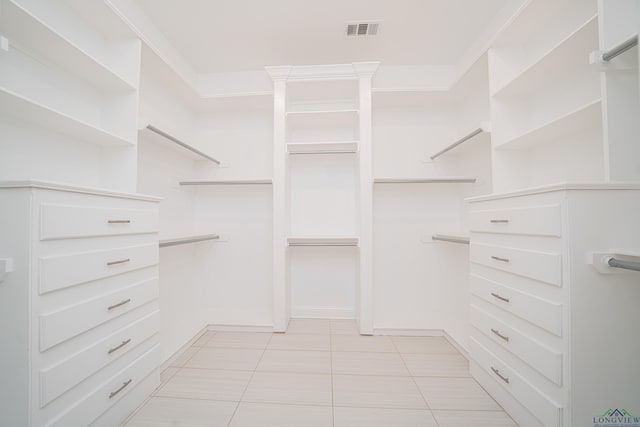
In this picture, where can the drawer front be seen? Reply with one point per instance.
(535, 220)
(70, 321)
(540, 405)
(543, 266)
(73, 221)
(59, 378)
(540, 312)
(108, 393)
(63, 271)
(541, 358)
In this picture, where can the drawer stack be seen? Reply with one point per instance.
(92, 305)
(517, 305)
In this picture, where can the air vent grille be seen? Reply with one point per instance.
(368, 28)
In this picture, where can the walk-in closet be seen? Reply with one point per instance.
(325, 214)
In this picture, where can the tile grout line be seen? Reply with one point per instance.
(235, 411)
(333, 409)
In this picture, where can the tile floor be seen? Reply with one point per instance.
(320, 373)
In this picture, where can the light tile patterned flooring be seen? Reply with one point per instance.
(320, 373)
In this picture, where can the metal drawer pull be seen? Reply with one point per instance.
(120, 261)
(118, 347)
(497, 258)
(122, 387)
(127, 301)
(497, 372)
(499, 221)
(119, 221)
(504, 337)
(500, 297)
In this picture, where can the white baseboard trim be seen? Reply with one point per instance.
(164, 365)
(422, 333)
(323, 312)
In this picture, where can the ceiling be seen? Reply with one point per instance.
(217, 36)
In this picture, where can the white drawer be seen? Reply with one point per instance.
(540, 312)
(540, 405)
(62, 271)
(543, 266)
(72, 221)
(541, 358)
(59, 378)
(59, 326)
(110, 392)
(534, 220)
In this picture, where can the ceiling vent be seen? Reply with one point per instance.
(363, 28)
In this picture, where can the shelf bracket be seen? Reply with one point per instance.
(6, 267)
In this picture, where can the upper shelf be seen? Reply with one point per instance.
(28, 33)
(23, 108)
(162, 137)
(435, 180)
(569, 53)
(339, 147)
(484, 127)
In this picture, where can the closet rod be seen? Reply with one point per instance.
(627, 265)
(182, 144)
(295, 153)
(186, 240)
(620, 48)
(458, 142)
(323, 244)
(462, 240)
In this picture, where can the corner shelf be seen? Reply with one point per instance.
(451, 238)
(229, 182)
(187, 239)
(484, 127)
(567, 123)
(322, 241)
(436, 180)
(562, 56)
(162, 137)
(339, 147)
(23, 108)
(40, 39)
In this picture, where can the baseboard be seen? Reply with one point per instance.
(164, 365)
(323, 312)
(423, 333)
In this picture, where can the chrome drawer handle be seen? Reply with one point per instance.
(120, 261)
(504, 337)
(118, 347)
(121, 303)
(497, 258)
(122, 387)
(500, 297)
(497, 372)
(119, 221)
(499, 221)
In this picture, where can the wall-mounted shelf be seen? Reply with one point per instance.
(437, 180)
(568, 123)
(229, 182)
(452, 238)
(23, 108)
(322, 241)
(188, 149)
(27, 32)
(188, 239)
(313, 112)
(485, 127)
(344, 147)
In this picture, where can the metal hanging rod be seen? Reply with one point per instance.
(229, 182)
(186, 240)
(182, 144)
(451, 239)
(627, 265)
(323, 152)
(443, 180)
(458, 142)
(624, 46)
(323, 244)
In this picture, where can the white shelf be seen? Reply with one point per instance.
(187, 239)
(323, 241)
(566, 124)
(229, 182)
(18, 106)
(435, 180)
(28, 33)
(158, 136)
(483, 128)
(567, 54)
(323, 147)
(322, 112)
(451, 238)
